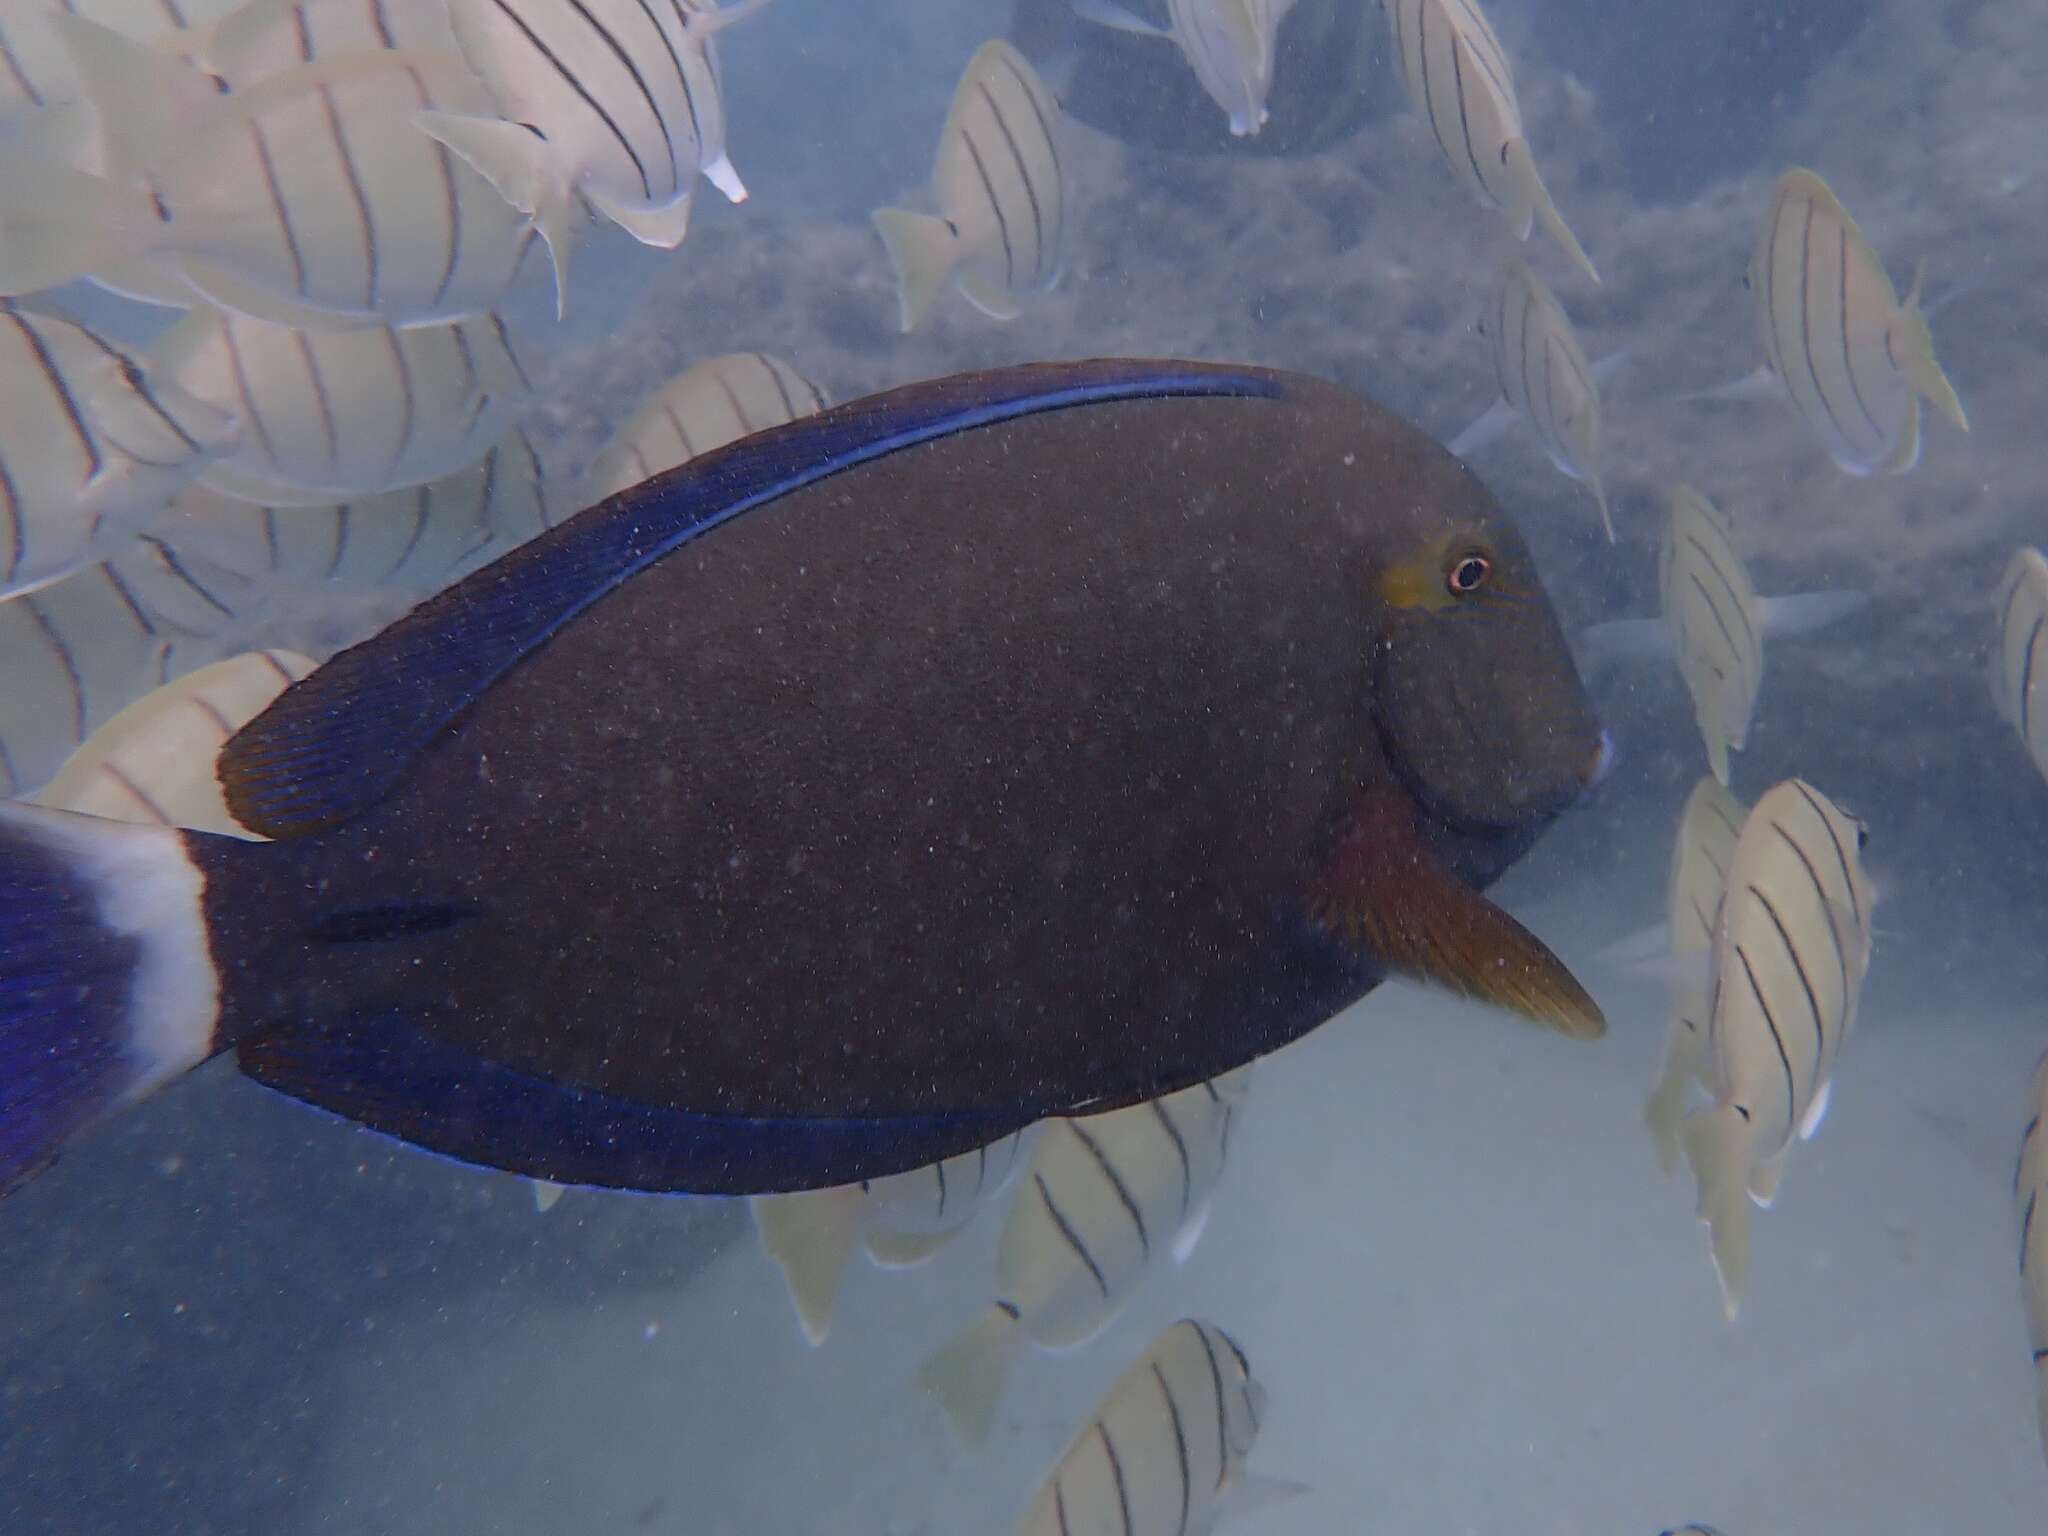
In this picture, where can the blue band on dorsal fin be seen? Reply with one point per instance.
(337, 741)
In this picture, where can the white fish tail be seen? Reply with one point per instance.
(967, 1375)
(809, 1236)
(57, 224)
(906, 1250)
(546, 1195)
(1912, 344)
(1718, 1145)
(924, 249)
(1486, 426)
(1664, 1110)
(146, 101)
(519, 163)
(107, 983)
(1532, 202)
(1800, 613)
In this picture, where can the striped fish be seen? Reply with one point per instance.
(40, 94)
(1790, 950)
(1001, 192)
(91, 451)
(153, 762)
(1716, 621)
(312, 198)
(1230, 45)
(2030, 1195)
(1163, 1454)
(706, 406)
(416, 540)
(1855, 360)
(1707, 830)
(902, 1220)
(337, 414)
(2019, 660)
(76, 653)
(267, 37)
(1543, 374)
(1458, 78)
(1104, 1197)
(618, 102)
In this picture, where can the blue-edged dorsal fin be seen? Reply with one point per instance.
(337, 741)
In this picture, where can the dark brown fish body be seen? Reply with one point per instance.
(990, 778)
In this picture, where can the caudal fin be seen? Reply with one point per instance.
(809, 1235)
(924, 249)
(967, 1375)
(107, 985)
(1532, 202)
(1717, 1145)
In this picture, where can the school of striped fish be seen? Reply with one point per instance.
(339, 195)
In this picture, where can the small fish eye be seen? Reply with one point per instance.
(1467, 574)
(1862, 836)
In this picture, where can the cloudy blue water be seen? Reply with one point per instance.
(1441, 1237)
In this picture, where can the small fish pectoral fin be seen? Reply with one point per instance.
(1486, 426)
(1387, 893)
(1190, 1233)
(810, 1235)
(662, 227)
(991, 298)
(1817, 1111)
(1109, 13)
(339, 741)
(390, 1071)
(1801, 613)
(905, 1250)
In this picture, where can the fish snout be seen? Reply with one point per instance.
(1600, 764)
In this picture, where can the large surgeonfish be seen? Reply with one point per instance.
(807, 814)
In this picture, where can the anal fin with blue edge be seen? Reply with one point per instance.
(388, 1073)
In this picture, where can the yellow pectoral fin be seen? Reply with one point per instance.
(1385, 891)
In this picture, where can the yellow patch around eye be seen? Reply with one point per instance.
(1414, 584)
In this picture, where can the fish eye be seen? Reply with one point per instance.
(1467, 573)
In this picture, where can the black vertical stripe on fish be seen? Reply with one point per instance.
(422, 504)
(270, 536)
(1222, 1404)
(625, 57)
(1777, 1039)
(1052, 147)
(128, 599)
(1251, 1407)
(472, 380)
(2026, 1231)
(1428, 90)
(17, 523)
(270, 660)
(1464, 117)
(57, 643)
(675, 419)
(382, 24)
(2026, 699)
(690, 91)
(1553, 426)
(1180, 1449)
(1116, 1183)
(54, 378)
(451, 198)
(1116, 1472)
(318, 385)
(277, 202)
(305, 32)
(504, 335)
(1187, 1172)
(640, 463)
(576, 85)
(939, 1169)
(1827, 906)
(791, 412)
(1751, 646)
(14, 785)
(1842, 319)
(409, 420)
(177, 568)
(1023, 176)
(989, 191)
(732, 399)
(676, 170)
(350, 173)
(135, 791)
(1820, 1029)
(1073, 1238)
(244, 396)
(1059, 1503)
(1714, 609)
(1806, 323)
(343, 521)
(1841, 853)
(1528, 387)
(14, 68)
